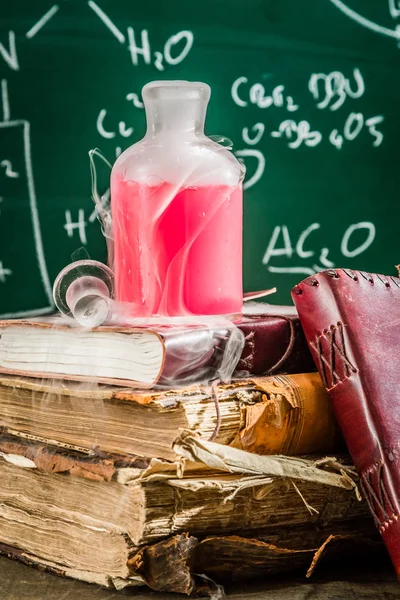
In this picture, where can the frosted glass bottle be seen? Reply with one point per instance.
(176, 200)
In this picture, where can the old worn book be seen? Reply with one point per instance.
(177, 354)
(56, 348)
(101, 518)
(286, 414)
(352, 323)
(200, 566)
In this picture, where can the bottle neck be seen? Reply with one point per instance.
(175, 117)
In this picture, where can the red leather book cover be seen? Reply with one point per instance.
(274, 342)
(351, 320)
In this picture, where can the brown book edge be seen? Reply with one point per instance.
(173, 564)
(286, 414)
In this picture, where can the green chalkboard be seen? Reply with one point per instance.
(308, 91)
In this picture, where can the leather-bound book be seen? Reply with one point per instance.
(351, 321)
(264, 340)
(274, 341)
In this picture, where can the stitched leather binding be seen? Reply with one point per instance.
(351, 320)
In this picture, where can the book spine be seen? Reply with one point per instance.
(320, 305)
(274, 344)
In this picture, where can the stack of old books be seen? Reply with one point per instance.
(109, 479)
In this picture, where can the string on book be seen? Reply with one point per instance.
(289, 348)
(214, 395)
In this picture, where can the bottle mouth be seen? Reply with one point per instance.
(176, 90)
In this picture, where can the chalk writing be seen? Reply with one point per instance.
(323, 259)
(280, 244)
(344, 246)
(252, 152)
(20, 132)
(329, 90)
(7, 165)
(272, 250)
(367, 23)
(10, 55)
(4, 273)
(134, 98)
(335, 86)
(394, 8)
(371, 124)
(42, 22)
(187, 38)
(23, 125)
(4, 100)
(123, 130)
(353, 126)
(175, 50)
(336, 139)
(143, 50)
(257, 95)
(107, 22)
(100, 125)
(79, 225)
(259, 129)
(302, 132)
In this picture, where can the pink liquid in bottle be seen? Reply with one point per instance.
(178, 239)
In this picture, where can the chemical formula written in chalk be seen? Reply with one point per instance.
(330, 92)
(310, 258)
